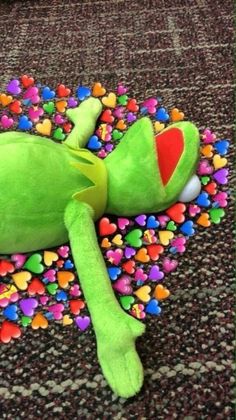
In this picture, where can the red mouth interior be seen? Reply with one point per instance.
(169, 147)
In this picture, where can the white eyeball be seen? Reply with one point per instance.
(191, 190)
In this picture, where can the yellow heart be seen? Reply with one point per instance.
(66, 320)
(161, 292)
(143, 293)
(142, 255)
(117, 240)
(159, 126)
(165, 236)
(61, 106)
(110, 100)
(203, 220)
(219, 162)
(44, 127)
(207, 151)
(39, 321)
(98, 90)
(176, 115)
(121, 125)
(8, 291)
(105, 243)
(21, 279)
(5, 99)
(49, 257)
(64, 277)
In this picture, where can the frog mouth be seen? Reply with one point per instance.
(169, 149)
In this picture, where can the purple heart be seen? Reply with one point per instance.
(155, 274)
(141, 219)
(28, 305)
(72, 102)
(221, 176)
(82, 322)
(13, 87)
(129, 252)
(131, 117)
(123, 285)
(109, 147)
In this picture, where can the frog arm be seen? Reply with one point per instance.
(84, 118)
(115, 330)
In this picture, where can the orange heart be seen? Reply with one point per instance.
(110, 100)
(61, 106)
(142, 255)
(203, 220)
(159, 126)
(5, 99)
(143, 293)
(105, 243)
(121, 125)
(161, 292)
(98, 90)
(44, 127)
(49, 257)
(176, 115)
(64, 277)
(207, 150)
(39, 321)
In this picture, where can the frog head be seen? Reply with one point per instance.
(148, 172)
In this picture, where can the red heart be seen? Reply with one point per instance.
(27, 81)
(132, 105)
(62, 91)
(211, 188)
(154, 251)
(105, 227)
(176, 212)
(8, 331)
(129, 266)
(76, 306)
(107, 116)
(15, 107)
(67, 127)
(6, 267)
(36, 287)
(60, 263)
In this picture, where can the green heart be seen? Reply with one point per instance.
(52, 288)
(122, 100)
(33, 264)
(205, 180)
(216, 215)
(49, 107)
(58, 134)
(25, 321)
(171, 226)
(133, 237)
(126, 301)
(116, 134)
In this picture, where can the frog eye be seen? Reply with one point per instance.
(191, 190)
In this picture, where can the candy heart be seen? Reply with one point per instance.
(62, 91)
(82, 322)
(153, 307)
(49, 257)
(93, 143)
(50, 275)
(105, 243)
(202, 199)
(207, 151)
(221, 176)
(63, 251)
(161, 292)
(143, 293)
(155, 274)
(132, 105)
(152, 223)
(5, 99)
(110, 100)
(154, 251)
(28, 306)
(141, 219)
(133, 238)
(128, 266)
(179, 244)
(33, 264)
(163, 219)
(211, 188)
(204, 168)
(219, 162)
(113, 272)
(39, 321)
(121, 89)
(21, 279)
(131, 117)
(15, 107)
(122, 285)
(123, 100)
(27, 80)
(44, 300)
(57, 310)
(49, 108)
(47, 93)
(142, 255)
(58, 134)
(162, 115)
(10, 312)
(140, 275)
(6, 267)
(52, 288)
(13, 87)
(193, 210)
(35, 113)
(205, 180)
(68, 265)
(149, 236)
(75, 290)
(165, 236)
(9, 331)
(45, 127)
(171, 226)
(126, 302)
(61, 106)
(107, 116)
(66, 320)
(138, 311)
(203, 220)
(98, 90)
(150, 105)
(208, 136)
(121, 125)
(176, 115)
(25, 321)
(114, 257)
(6, 122)
(116, 135)
(105, 227)
(64, 278)
(36, 287)
(169, 265)
(221, 146)
(158, 126)
(83, 92)
(129, 252)
(117, 240)
(216, 215)
(187, 228)
(221, 199)
(176, 212)
(122, 222)
(31, 96)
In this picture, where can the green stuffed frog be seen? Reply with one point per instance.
(53, 192)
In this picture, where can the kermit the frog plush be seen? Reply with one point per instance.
(53, 192)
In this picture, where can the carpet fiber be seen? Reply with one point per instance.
(184, 51)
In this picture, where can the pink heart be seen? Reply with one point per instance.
(19, 260)
(119, 112)
(32, 94)
(102, 153)
(169, 265)
(140, 275)
(121, 89)
(57, 310)
(114, 256)
(43, 299)
(123, 285)
(63, 251)
(193, 210)
(221, 199)
(50, 275)
(35, 113)
(208, 136)
(150, 104)
(163, 219)
(179, 243)
(122, 222)
(58, 119)
(6, 121)
(75, 290)
(204, 168)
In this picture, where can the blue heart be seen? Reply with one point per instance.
(202, 200)
(144, 110)
(173, 250)
(152, 223)
(139, 283)
(47, 93)
(83, 92)
(10, 312)
(68, 264)
(153, 308)
(222, 146)
(62, 295)
(49, 315)
(162, 115)
(93, 143)
(27, 102)
(187, 228)
(113, 272)
(24, 123)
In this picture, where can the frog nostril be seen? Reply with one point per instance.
(191, 189)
